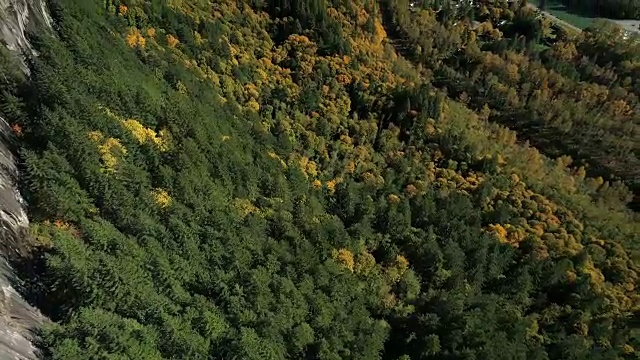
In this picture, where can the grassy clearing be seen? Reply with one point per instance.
(557, 9)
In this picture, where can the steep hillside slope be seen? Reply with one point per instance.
(271, 180)
(575, 96)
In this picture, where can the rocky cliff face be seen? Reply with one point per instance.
(17, 17)
(17, 318)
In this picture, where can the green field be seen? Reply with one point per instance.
(557, 9)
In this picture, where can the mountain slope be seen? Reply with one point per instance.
(271, 180)
(575, 96)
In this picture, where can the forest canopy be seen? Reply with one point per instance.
(324, 179)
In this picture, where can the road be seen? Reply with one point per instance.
(629, 25)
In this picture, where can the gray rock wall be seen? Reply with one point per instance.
(17, 17)
(17, 318)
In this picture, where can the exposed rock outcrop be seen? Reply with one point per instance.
(17, 18)
(17, 317)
